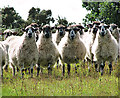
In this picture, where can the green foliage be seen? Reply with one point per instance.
(11, 19)
(83, 83)
(40, 17)
(109, 12)
(62, 21)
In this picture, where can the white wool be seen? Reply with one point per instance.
(23, 51)
(71, 50)
(105, 48)
(48, 52)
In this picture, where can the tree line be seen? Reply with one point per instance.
(108, 12)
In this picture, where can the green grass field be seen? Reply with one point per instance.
(83, 83)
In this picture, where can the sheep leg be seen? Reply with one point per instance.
(13, 70)
(110, 67)
(96, 67)
(75, 68)
(22, 71)
(31, 68)
(63, 70)
(102, 68)
(6, 68)
(68, 67)
(38, 70)
(1, 71)
(18, 69)
(49, 70)
(57, 63)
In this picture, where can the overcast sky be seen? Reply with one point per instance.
(71, 9)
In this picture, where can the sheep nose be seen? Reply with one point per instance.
(102, 33)
(30, 35)
(47, 35)
(95, 30)
(61, 33)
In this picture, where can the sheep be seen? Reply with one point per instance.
(48, 52)
(58, 36)
(9, 40)
(59, 33)
(88, 39)
(3, 56)
(105, 48)
(71, 48)
(115, 32)
(23, 51)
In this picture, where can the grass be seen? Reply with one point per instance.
(83, 83)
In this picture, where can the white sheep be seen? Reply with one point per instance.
(71, 48)
(23, 51)
(9, 40)
(3, 55)
(105, 48)
(48, 53)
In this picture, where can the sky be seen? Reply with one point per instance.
(71, 9)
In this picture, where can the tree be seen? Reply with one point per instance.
(62, 21)
(40, 17)
(109, 12)
(11, 19)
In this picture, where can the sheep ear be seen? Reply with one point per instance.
(67, 29)
(77, 29)
(107, 26)
(90, 25)
(35, 29)
(80, 27)
(55, 27)
(52, 28)
(23, 30)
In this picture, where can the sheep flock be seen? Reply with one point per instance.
(39, 46)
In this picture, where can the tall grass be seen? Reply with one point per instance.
(83, 83)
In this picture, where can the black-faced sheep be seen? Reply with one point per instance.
(71, 48)
(48, 53)
(23, 51)
(105, 48)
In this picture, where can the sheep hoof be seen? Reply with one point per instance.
(101, 73)
(110, 72)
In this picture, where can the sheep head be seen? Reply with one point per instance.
(81, 28)
(46, 30)
(29, 31)
(103, 29)
(72, 31)
(112, 27)
(61, 29)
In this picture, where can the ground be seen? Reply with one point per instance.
(83, 83)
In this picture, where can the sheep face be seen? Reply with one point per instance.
(72, 32)
(103, 30)
(46, 30)
(81, 28)
(61, 30)
(113, 27)
(30, 32)
(95, 29)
